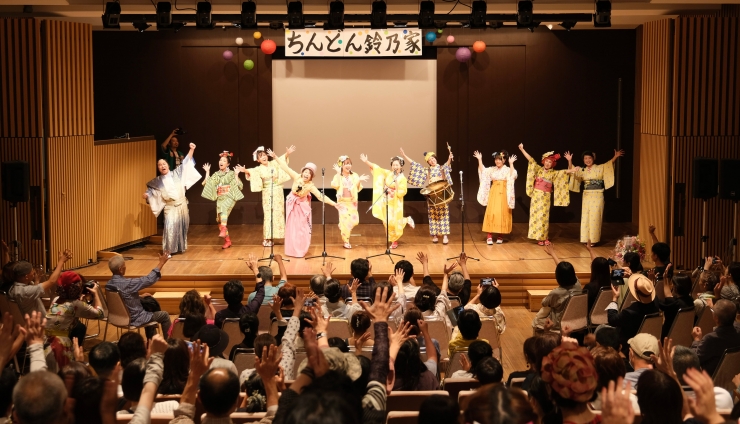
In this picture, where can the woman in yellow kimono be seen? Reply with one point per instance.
(542, 181)
(298, 207)
(268, 178)
(396, 183)
(496, 193)
(225, 187)
(347, 184)
(596, 179)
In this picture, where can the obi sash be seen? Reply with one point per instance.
(223, 189)
(593, 185)
(543, 185)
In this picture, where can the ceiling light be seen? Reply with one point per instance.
(203, 15)
(478, 14)
(164, 14)
(378, 15)
(524, 14)
(336, 16)
(112, 15)
(426, 14)
(249, 15)
(295, 15)
(603, 15)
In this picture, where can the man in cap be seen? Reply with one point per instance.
(642, 347)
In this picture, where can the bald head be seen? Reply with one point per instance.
(219, 392)
(725, 312)
(39, 398)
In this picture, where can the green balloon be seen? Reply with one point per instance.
(248, 65)
(439, 30)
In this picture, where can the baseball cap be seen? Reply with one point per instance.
(644, 345)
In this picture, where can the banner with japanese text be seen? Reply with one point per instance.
(352, 43)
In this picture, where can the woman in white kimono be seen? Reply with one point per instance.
(167, 192)
(496, 193)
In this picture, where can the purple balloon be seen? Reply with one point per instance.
(462, 54)
(228, 54)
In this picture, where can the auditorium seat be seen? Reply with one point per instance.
(457, 385)
(410, 401)
(438, 331)
(231, 328)
(403, 417)
(682, 326)
(652, 324)
(489, 331)
(598, 313)
(575, 316)
(728, 367)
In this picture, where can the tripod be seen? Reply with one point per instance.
(387, 231)
(272, 242)
(462, 221)
(323, 254)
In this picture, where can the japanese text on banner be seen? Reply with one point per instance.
(352, 43)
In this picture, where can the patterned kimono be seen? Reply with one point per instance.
(347, 189)
(496, 193)
(298, 213)
(540, 185)
(225, 187)
(269, 180)
(167, 192)
(439, 216)
(62, 317)
(398, 188)
(595, 180)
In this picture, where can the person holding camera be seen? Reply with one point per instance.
(169, 149)
(78, 298)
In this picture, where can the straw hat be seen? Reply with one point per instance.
(641, 288)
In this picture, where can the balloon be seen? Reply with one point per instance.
(479, 46)
(439, 30)
(450, 38)
(228, 54)
(239, 41)
(257, 35)
(431, 36)
(248, 65)
(462, 54)
(268, 47)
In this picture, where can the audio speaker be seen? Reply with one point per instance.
(705, 178)
(16, 181)
(729, 179)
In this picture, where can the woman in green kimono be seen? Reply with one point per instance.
(225, 187)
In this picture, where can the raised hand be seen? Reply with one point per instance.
(617, 154)
(35, 326)
(512, 159)
(363, 157)
(276, 303)
(521, 146)
(477, 155)
(328, 270)
(207, 167)
(300, 297)
(398, 275)
(696, 334)
(270, 153)
(77, 351)
(289, 150)
(616, 406)
(317, 321)
(200, 360)
(549, 249)
(11, 339)
(316, 359)
(364, 177)
(64, 256)
(448, 268)
(337, 168)
(651, 228)
(145, 196)
(360, 341)
(423, 258)
(381, 309)
(465, 362)
(267, 362)
(397, 338)
(664, 362)
(252, 263)
(703, 406)
(192, 146)
(568, 156)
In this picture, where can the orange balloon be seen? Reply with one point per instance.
(479, 46)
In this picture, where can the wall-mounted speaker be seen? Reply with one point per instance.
(705, 182)
(16, 181)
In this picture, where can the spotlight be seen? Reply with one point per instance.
(568, 25)
(336, 16)
(249, 15)
(524, 14)
(603, 15)
(164, 14)
(295, 15)
(378, 15)
(426, 14)
(400, 24)
(478, 14)
(141, 25)
(112, 15)
(203, 15)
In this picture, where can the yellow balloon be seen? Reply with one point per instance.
(257, 35)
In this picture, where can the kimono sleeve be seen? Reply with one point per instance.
(418, 175)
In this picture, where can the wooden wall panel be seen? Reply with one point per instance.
(72, 205)
(31, 229)
(20, 78)
(69, 82)
(653, 186)
(706, 94)
(122, 170)
(657, 52)
(686, 248)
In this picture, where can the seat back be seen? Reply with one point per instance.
(338, 327)
(456, 385)
(729, 367)
(177, 328)
(706, 321)
(455, 364)
(652, 324)
(681, 328)
(367, 352)
(243, 360)
(598, 313)
(402, 417)
(154, 418)
(410, 401)
(517, 382)
(274, 327)
(9, 306)
(454, 301)
(438, 331)
(231, 327)
(300, 355)
(246, 417)
(118, 314)
(264, 317)
(575, 316)
(627, 301)
(489, 331)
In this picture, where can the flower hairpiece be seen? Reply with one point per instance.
(254, 154)
(226, 153)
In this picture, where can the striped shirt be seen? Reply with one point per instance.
(129, 290)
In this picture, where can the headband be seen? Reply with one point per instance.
(399, 159)
(254, 154)
(428, 155)
(341, 160)
(225, 154)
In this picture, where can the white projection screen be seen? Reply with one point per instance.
(328, 108)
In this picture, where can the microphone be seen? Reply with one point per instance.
(322, 171)
(460, 177)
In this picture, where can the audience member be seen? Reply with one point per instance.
(570, 372)
(629, 319)
(234, 295)
(495, 404)
(263, 274)
(176, 361)
(432, 306)
(607, 336)
(600, 277)
(661, 257)
(487, 303)
(334, 306)
(660, 399)
(361, 270)
(437, 409)
(217, 340)
(409, 284)
(131, 345)
(685, 358)
(39, 398)
(728, 287)
(413, 316)
(609, 367)
(488, 371)
(192, 324)
(261, 342)
(8, 380)
(132, 382)
(318, 282)
(529, 356)
(413, 374)
(642, 347)
(477, 351)
(360, 324)
(707, 282)
(710, 347)
(129, 288)
(27, 292)
(103, 358)
(466, 332)
(553, 305)
(676, 296)
(87, 395)
(249, 325)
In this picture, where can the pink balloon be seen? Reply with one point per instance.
(228, 54)
(450, 38)
(462, 54)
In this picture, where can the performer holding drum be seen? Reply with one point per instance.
(437, 187)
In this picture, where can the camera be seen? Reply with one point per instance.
(180, 131)
(309, 302)
(617, 277)
(88, 286)
(486, 281)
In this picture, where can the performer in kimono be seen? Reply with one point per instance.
(595, 179)
(298, 207)
(439, 216)
(225, 187)
(268, 178)
(167, 192)
(347, 184)
(496, 193)
(542, 181)
(395, 182)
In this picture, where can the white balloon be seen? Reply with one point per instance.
(239, 41)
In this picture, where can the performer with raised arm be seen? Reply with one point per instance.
(268, 178)
(395, 182)
(595, 179)
(439, 216)
(225, 187)
(347, 184)
(298, 207)
(167, 192)
(496, 193)
(542, 181)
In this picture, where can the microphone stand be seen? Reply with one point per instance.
(323, 254)
(462, 221)
(387, 231)
(272, 242)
